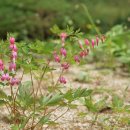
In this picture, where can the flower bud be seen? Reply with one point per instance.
(65, 66)
(86, 42)
(81, 54)
(15, 48)
(12, 66)
(12, 40)
(93, 43)
(63, 52)
(5, 77)
(1, 65)
(62, 80)
(14, 55)
(76, 58)
(57, 58)
(14, 81)
(63, 36)
(11, 46)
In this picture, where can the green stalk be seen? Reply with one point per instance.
(90, 18)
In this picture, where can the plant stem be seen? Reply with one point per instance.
(52, 78)
(43, 116)
(34, 104)
(18, 87)
(39, 85)
(13, 98)
(59, 78)
(58, 117)
(8, 108)
(90, 18)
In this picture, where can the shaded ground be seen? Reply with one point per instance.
(87, 76)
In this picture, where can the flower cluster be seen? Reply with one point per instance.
(1, 66)
(13, 48)
(5, 77)
(84, 45)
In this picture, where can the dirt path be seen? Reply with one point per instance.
(86, 76)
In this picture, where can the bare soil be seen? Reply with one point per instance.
(86, 76)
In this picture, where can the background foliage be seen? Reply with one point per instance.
(33, 19)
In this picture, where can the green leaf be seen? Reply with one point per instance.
(50, 100)
(90, 105)
(2, 102)
(82, 93)
(55, 29)
(55, 99)
(44, 120)
(3, 94)
(87, 93)
(72, 95)
(25, 88)
(69, 95)
(24, 97)
(44, 100)
(1, 84)
(117, 102)
(14, 127)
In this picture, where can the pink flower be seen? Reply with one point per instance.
(81, 54)
(14, 81)
(93, 43)
(57, 58)
(12, 40)
(12, 66)
(13, 47)
(63, 36)
(14, 54)
(65, 66)
(86, 42)
(76, 58)
(5, 77)
(84, 53)
(63, 52)
(1, 65)
(62, 80)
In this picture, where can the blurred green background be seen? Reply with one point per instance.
(33, 18)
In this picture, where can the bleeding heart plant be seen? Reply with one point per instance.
(29, 108)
